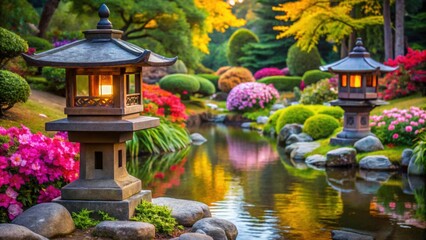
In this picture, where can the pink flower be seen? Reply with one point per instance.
(184, 92)
(14, 210)
(391, 127)
(408, 128)
(421, 121)
(11, 193)
(395, 136)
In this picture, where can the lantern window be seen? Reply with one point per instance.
(355, 80)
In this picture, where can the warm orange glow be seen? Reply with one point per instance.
(355, 81)
(105, 85)
(374, 81)
(344, 82)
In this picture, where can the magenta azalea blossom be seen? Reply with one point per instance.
(267, 72)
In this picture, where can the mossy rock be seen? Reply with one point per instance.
(293, 114)
(320, 126)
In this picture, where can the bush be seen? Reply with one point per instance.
(212, 78)
(178, 67)
(237, 41)
(11, 45)
(299, 61)
(183, 84)
(272, 121)
(13, 89)
(222, 70)
(318, 93)
(398, 126)
(33, 169)
(293, 114)
(282, 83)
(313, 76)
(336, 112)
(233, 77)
(206, 87)
(419, 150)
(320, 126)
(251, 96)
(40, 44)
(55, 78)
(268, 72)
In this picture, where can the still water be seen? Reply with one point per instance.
(245, 179)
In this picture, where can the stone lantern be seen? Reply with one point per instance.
(357, 92)
(103, 103)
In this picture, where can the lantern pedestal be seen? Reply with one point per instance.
(356, 120)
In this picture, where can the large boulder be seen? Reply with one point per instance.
(368, 144)
(289, 129)
(316, 160)
(194, 236)
(185, 212)
(406, 156)
(47, 219)
(218, 229)
(341, 157)
(17, 232)
(301, 137)
(125, 230)
(376, 162)
(345, 235)
(301, 149)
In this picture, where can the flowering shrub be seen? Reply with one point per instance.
(162, 103)
(409, 78)
(59, 43)
(398, 126)
(251, 96)
(320, 92)
(267, 72)
(32, 169)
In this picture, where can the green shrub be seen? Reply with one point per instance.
(55, 78)
(40, 44)
(13, 89)
(233, 77)
(313, 76)
(282, 83)
(336, 112)
(420, 149)
(183, 84)
(318, 93)
(178, 67)
(293, 114)
(320, 126)
(159, 216)
(11, 45)
(85, 219)
(237, 41)
(298, 61)
(272, 122)
(213, 78)
(206, 87)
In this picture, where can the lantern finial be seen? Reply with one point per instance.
(103, 13)
(359, 46)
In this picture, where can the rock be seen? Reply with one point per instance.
(219, 96)
(367, 187)
(198, 139)
(301, 137)
(124, 230)
(376, 162)
(212, 105)
(368, 144)
(406, 156)
(47, 219)
(185, 212)
(316, 160)
(194, 236)
(217, 228)
(219, 118)
(415, 169)
(342, 180)
(246, 125)
(262, 119)
(375, 176)
(302, 149)
(289, 129)
(345, 235)
(153, 75)
(341, 157)
(277, 106)
(17, 232)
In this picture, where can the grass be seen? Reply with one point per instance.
(402, 103)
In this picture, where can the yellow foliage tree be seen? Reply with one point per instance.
(220, 17)
(315, 18)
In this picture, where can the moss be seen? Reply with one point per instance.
(394, 154)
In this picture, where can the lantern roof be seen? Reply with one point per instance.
(358, 61)
(101, 47)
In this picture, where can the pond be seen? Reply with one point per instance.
(243, 178)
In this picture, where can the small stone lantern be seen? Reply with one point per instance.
(357, 92)
(103, 103)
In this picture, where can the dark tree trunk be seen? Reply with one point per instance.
(387, 30)
(46, 16)
(344, 48)
(399, 27)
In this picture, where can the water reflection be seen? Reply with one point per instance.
(243, 179)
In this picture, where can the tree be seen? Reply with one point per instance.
(16, 15)
(313, 19)
(387, 28)
(399, 27)
(238, 40)
(48, 11)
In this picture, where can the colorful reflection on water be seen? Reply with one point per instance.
(243, 179)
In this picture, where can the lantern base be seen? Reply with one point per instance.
(122, 210)
(348, 138)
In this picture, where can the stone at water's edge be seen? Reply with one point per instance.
(262, 119)
(17, 232)
(345, 235)
(47, 219)
(302, 148)
(376, 162)
(341, 157)
(186, 212)
(301, 137)
(415, 169)
(125, 230)
(316, 160)
(375, 176)
(246, 125)
(218, 229)
(406, 156)
(287, 130)
(193, 236)
(368, 144)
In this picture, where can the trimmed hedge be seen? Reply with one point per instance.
(13, 89)
(237, 41)
(335, 111)
(233, 77)
(282, 83)
(293, 114)
(298, 61)
(320, 126)
(11, 45)
(40, 44)
(55, 78)
(212, 78)
(182, 84)
(206, 87)
(313, 76)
